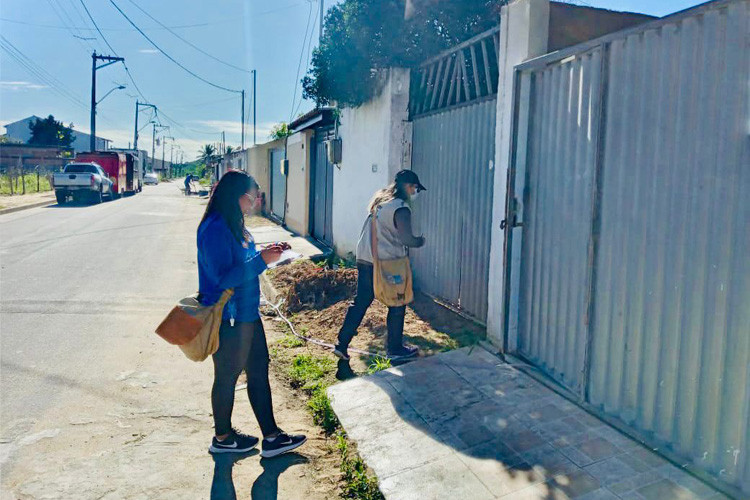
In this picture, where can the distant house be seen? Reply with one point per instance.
(20, 130)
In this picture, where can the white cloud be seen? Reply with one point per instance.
(148, 51)
(235, 127)
(20, 85)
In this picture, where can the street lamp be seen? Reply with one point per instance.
(119, 87)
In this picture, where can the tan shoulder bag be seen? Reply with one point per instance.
(194, 327)
(392, 279)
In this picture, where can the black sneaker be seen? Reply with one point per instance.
(235, 443)
(341, 352)
(405, 351)
(281, 444)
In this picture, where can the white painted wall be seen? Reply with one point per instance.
(373, 148)
(524, 32)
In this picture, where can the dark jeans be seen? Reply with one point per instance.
(242, 347)
(358, 308)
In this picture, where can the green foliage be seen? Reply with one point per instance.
(229, 150)
(50, 132)
(322, 413)
(290, 342)
(361, 37)
(279, 131)
(357, 483)
(207, 154)
(28, 179)
(307, 371)
(378, 364)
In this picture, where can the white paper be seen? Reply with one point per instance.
(286, 257)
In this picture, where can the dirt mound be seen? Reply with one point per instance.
(309, 287)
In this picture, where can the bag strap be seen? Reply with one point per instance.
(374, 237)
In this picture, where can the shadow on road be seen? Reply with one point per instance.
(266, 487)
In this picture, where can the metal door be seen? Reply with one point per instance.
(278, 184)
(453, 105)
(322, 188)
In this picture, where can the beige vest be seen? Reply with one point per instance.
(389, 243)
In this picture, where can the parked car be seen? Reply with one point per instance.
(151, 178)
(82, 182)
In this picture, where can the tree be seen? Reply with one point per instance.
(362, 36)
(207, 153)
(229, 150)
(50, 132)
(279, 131)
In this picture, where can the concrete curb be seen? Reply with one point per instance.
(269, 291)
(26, 207)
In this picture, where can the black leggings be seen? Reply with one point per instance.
(356, 312)
(242, 347)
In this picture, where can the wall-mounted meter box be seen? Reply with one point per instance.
(284, 164)
(333, 150)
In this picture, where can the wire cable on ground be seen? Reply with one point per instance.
(190, 72)
(312, 340)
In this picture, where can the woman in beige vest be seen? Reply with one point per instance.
(391, 208)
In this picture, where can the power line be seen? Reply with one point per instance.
(58, 27)
(168, 56)
(187, 41)
(299, 65)
(97, 28)
(39, 72)
(309, 49)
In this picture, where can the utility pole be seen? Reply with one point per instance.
(320, 31)
(135, 134)
(153, 143)
(255, 72)
(110, 60)
(243, 120)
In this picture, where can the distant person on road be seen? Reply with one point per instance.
(227, 258)
(392, 209)
(188, 180)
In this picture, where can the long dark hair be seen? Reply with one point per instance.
(225, 201)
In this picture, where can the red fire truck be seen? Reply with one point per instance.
(114, 164)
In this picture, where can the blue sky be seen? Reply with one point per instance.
(267, 35)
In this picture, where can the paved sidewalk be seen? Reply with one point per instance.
(465, 425)
(14, 203)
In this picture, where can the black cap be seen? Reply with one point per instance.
(409, 177)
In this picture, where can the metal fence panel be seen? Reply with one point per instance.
(671, 337)
(557, 207)
(636, 210)
(453, 154)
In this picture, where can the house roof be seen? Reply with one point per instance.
(34, 117)
(315, 117)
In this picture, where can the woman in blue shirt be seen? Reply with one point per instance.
(227, 258)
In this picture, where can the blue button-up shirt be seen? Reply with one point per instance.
(224, 262)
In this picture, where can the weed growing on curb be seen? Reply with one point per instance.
(321, 410)
(357, 484)
(378, 364)
(307, 371)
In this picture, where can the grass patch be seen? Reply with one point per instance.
(322, 413)
(378, 364)
(29, 180)
(307, 372)
(291, 341)
(357, 483)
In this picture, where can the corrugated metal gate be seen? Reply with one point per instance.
(633, 156)
(278, 184)
(322, 188)
(453, 106)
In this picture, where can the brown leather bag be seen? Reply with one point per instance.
(392, 278)
(194, 327)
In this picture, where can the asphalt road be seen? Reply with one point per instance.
(93, 403)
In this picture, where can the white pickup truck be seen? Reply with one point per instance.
(82, 181)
